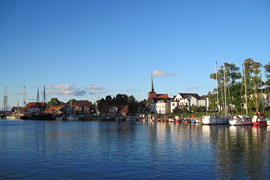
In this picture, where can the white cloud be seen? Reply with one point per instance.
(94, 89)
(21, 93)
(158, 73)
(79, 92)
(132, 90)
(194, 88)
(63, 87)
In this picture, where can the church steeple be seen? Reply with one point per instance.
(152, 93)
(152, 85)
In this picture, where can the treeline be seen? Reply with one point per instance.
(235, 86)
(123, 99)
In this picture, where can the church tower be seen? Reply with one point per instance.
(152, 93)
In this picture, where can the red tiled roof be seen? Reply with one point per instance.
(122, 108)
(162, 96)
(54, 108)
(83, 103)
(35, 104)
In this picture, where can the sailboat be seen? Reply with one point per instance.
(258, 118)
(213, 119)
(240, 120)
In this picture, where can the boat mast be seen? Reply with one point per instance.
(38, 94)
(262, 92)
(217, 87)
(5, 101)
(24, 100)
(245, 79)
(225, 98)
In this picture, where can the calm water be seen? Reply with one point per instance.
(131, 150)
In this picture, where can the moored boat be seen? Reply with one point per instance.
(214, 120)
(259, 120)
(240, 120)
(268, 121)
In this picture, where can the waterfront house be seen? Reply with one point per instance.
(114, 110)
(163, 107)
(82, 106)
(56, 110)
(154, 98)
(188, 100)
(16, 110)
(34, 108)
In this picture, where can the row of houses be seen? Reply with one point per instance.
(163, 104)
(82, 107)
(181, 100)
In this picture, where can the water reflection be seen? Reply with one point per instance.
(121, 150)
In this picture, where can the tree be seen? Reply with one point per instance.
(256, 79)
(71, 101)
(267, 82)
(232, 75)
(54, 102)
(131, 99)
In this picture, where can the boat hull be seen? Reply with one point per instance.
(240, 120)
(258, 121)
(213, 120)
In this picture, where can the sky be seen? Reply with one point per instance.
(89, 49)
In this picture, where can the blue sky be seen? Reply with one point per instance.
(90, 49)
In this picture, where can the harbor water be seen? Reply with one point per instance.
(132, 150)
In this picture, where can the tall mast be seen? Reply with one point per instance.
(245, 88)
(225, 98)
(38, 94)
(5, 100)
(44, 95)
(24, 99)
(262, 92)
(217, 86)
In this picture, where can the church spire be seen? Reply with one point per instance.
(152, 85)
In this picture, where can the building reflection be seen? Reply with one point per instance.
(238, 151)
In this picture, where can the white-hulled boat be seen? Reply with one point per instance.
(240, 120)
(258, 120)
(268, 121)
(214, 120)
(72, 117)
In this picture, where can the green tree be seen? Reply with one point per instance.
(232, 75)
(71, 101)
(267, 82)
(256, 80)
(54, 102)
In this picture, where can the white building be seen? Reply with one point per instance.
(188, 100)
(163, 107)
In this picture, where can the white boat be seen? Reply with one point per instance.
(132, 118)
(240, 120)
(214, 120)
(71, 117)
(11, 117)
(268, 121)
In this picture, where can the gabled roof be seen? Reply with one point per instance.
(162, 96)
(186, 95)
(51, 109)
(122, 108)
(82, 103)
(40, 105)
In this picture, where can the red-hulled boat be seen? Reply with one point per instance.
(259, 120)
